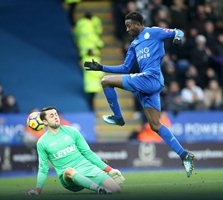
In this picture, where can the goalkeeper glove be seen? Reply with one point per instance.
(35, 191)
(93, 66)
(115, 174)
(178, 37)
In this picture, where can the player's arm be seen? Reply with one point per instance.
(42, 171)
(85, 150)
(165, 33)
(130, 60)
(93, 158)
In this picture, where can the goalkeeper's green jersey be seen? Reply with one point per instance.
(65, 149)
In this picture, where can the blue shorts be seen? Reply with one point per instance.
(145, 87)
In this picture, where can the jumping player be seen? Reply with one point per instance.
(147, 49)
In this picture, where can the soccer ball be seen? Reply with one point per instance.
(34, 121)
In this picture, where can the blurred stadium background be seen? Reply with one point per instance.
(41, 64)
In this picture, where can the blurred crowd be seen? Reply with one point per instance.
(8, 103)
(193, 72)
(87, 30)
(87, 33)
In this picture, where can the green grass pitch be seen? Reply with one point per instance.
(203, 185)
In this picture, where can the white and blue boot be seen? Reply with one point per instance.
(111, 119)
(188, 163)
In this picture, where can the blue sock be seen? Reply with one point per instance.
(171, 141)
(112, 99)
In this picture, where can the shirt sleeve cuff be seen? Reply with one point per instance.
(107, 168)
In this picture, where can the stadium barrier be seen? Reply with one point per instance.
(200, 132)
(13, 128)
(197, 126)
(188, 127)
(122, 155)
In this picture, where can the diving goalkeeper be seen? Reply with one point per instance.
(77, 167)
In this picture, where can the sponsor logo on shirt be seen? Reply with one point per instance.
(64, 152)
(142, 53)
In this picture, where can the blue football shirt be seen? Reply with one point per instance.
(148, 50)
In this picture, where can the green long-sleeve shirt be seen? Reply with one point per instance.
(65, 149)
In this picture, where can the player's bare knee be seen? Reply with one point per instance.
(69, 172)
(105, 82)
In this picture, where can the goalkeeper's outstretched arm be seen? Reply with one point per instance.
(93, 158)
(42, 171)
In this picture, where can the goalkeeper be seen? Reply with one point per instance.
(77, 167)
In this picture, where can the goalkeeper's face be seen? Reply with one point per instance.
(52, 119)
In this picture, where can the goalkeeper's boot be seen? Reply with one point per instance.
(103, 190)
(111, 119)
(188, 163)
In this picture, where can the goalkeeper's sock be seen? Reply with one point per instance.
(171, 141)
(112, 99)
(81, 180)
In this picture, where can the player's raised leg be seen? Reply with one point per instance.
(153, 116)
(108, 83)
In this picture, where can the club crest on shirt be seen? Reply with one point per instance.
(147, 35)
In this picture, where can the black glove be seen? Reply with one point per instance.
(93, 66)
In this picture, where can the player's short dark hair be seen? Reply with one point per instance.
(135, 16)
(43, 113)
